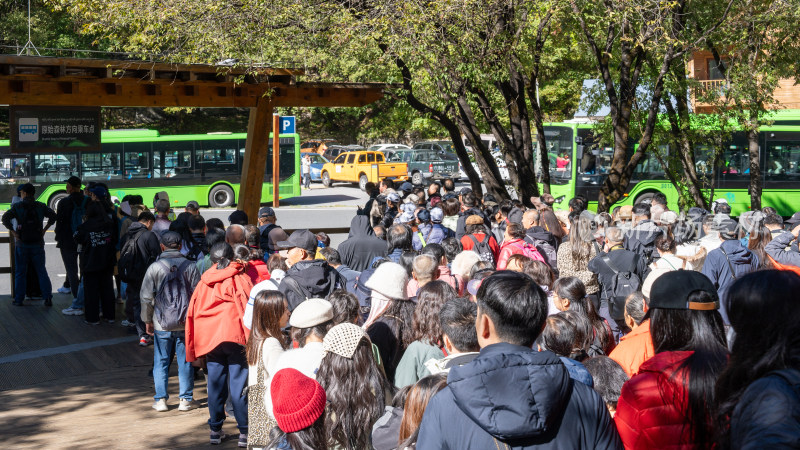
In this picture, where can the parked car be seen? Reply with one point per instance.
(426, 164)
(334, 150)
(317, 161)
(384, 147)
(362, 167)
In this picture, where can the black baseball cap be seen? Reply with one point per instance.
(725, 226)
(171, 239)
(671, 291)
(464, 191)
(238, 217)
(74, 181)
(301, 238)
(193, 205)
(266, 212)
(794, 219)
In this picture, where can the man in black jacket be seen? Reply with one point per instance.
(642, 236)
(66, 226)
(306, 277)
(511, 396)
(148, 243)
(29, 238)
(361, 246)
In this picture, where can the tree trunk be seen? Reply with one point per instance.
(755, 165)
(486, 163)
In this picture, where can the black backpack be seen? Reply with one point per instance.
(133, 260)
(265, 245)
(78, 214)
(623, 284)
(172, 298)
(482, 248)
(29, 223)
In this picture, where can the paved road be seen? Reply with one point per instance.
(316, 208)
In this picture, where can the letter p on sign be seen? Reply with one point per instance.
(287, 125)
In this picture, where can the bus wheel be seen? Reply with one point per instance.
(362, 182)
(647, 197)
(326, 179)
(57, 197)
(416, 178)
(221, 196)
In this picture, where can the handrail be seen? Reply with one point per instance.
(12, 263)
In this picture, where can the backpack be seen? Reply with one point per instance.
(78, 214)
(194, 251)
(172, 299)
(482, 248)
(265, 245)
(623, 284)
(544, 248)
(530, 251)
(778, 266)
(133, 261)
(29, 223)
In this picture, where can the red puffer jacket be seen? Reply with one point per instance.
(652, 408)
(216, 310)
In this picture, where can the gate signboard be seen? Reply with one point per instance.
(49, 129)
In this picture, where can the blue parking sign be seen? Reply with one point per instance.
(287, 125)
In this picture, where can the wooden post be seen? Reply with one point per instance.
(276, 159)
(255, 159)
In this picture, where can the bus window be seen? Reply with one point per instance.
(559, 142)
(54, 168)
(101, 166)
(362, 158)
(16, 167)
(370, 157)
(649, 168)
(783, 161)
(217, 157)
(172, 159)
(288, 154)
(137, 160)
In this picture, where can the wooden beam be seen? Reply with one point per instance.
(259, 126)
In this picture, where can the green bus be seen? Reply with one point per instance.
(206, 168)
(579, 166)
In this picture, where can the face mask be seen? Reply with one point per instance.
(745, 240)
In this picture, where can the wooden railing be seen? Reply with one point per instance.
(711, 85)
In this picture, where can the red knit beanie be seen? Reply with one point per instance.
(297, 400)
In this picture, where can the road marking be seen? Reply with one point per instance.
(65, 349)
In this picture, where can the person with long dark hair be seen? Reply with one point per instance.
(354, 385)
(670, 403)
(425, 340)
(758, 397)
(416, 402)
(570, 294)
(391, 314)
(214, 329)
(97, 238)
(565, 339)
(265, 345)
(299, 410)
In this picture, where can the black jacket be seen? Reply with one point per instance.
(361, 247)
(768, 413)
(310, 279)
(98, 239)
(64, 229)
(149, 244)
(624, 261)
(519, 397)
(641, 239)
(461, 225)
(41, 209)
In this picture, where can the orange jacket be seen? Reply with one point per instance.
(634, 348)
(216, 310)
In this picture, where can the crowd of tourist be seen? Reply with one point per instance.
(450, 320)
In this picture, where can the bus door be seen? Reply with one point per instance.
(781, 165)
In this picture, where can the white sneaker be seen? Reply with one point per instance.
(72, 311)
(185, 405)
(160, 405)
(64, 290)
(126, 323)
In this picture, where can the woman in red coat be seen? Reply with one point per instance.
(514, 244)
(670, 403)
(214, 329)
